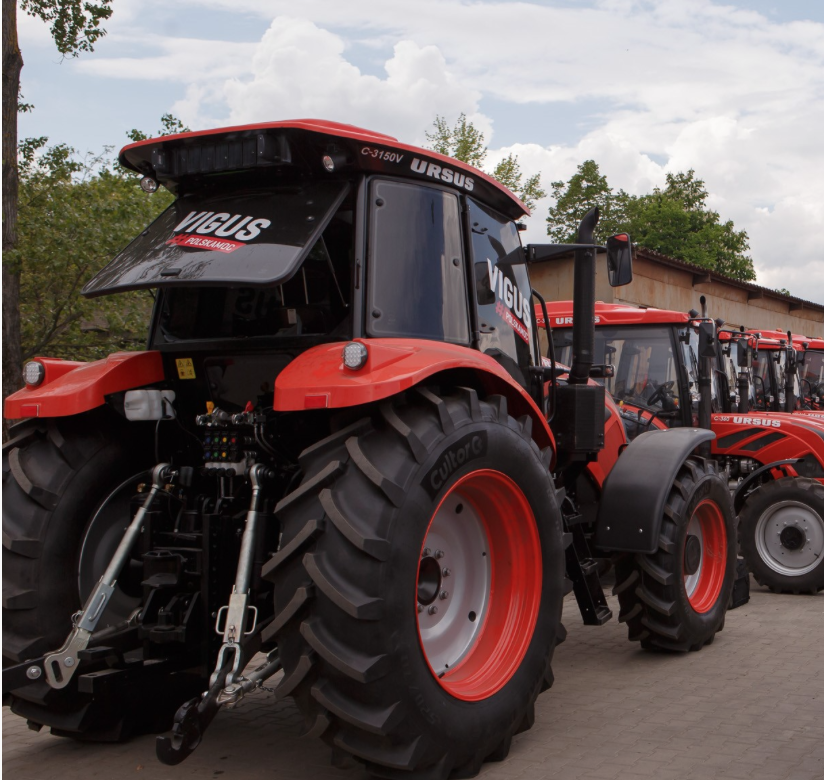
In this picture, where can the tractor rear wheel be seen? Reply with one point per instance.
(677, 597)
(419, 584)
(782, 535)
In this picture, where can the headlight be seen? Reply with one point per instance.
(33, 373)
(355, 355)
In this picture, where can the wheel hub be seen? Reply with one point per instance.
(789, 538)
(692, 554)
(429, 580)
(792, 537)
(453, 583)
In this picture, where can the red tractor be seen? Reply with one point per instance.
(341, 448)
(674, 370)
(782, 370)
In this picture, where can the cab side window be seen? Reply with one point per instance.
(416, 275)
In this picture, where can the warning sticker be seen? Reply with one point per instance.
(185, 368)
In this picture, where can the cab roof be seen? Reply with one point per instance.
(560, 315)
(300, 147)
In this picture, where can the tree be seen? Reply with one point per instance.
(508, 172)
(74, 215)
(463, 142)
(75, 27)
(674, 221)
(466, 143)
(586, 188)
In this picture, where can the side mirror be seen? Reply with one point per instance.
(619, 260)
(706, 340)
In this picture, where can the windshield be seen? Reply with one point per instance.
(646, 372)
(252, 237)
(811, 372)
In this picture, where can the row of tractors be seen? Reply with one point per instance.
(350, 450)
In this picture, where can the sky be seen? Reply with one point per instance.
(733, 90)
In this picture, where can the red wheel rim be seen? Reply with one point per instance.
(708, 520)
(498, 644)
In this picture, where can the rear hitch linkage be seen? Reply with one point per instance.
(226, 685)
(59, 667)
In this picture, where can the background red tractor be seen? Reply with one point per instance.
(673, 370)
(339, 450)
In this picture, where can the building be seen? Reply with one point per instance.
(667, 283)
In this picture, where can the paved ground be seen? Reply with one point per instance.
(751, 706)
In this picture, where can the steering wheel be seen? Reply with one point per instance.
(660, 392)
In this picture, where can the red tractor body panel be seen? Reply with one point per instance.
(318, 379)
(768, 437)
(71, 387)
(560, 315)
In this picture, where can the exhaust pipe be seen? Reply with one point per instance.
(583, 305)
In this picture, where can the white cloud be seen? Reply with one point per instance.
(300, 70)
(723, 90)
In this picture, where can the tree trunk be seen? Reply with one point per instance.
(12, 65)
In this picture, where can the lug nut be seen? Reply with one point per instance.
(433, 610)
(439, 554)
(444, 594)
(426, 552)
(420, 607)
(447, 572)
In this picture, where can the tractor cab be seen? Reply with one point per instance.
(290, 235)
(652, 356)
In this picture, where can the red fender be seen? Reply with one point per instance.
(71, 388)
(317, 379)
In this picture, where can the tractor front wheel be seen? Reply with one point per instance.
(677, 597)
(419, 583)
(782, 535)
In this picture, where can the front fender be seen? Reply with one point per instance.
(632, 502)
(318, 379)
(85, 386)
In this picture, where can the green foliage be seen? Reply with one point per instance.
(169, 125)
(466, 143)
(463, 141)
(508, 172)
(586, 189)
(75, 214)
(674, 221)
(75, 24)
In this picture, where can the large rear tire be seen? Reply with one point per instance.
(677, 598)
(57, 474)
(443, 502)
(782, 535)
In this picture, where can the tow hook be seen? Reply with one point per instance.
(238, 619)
